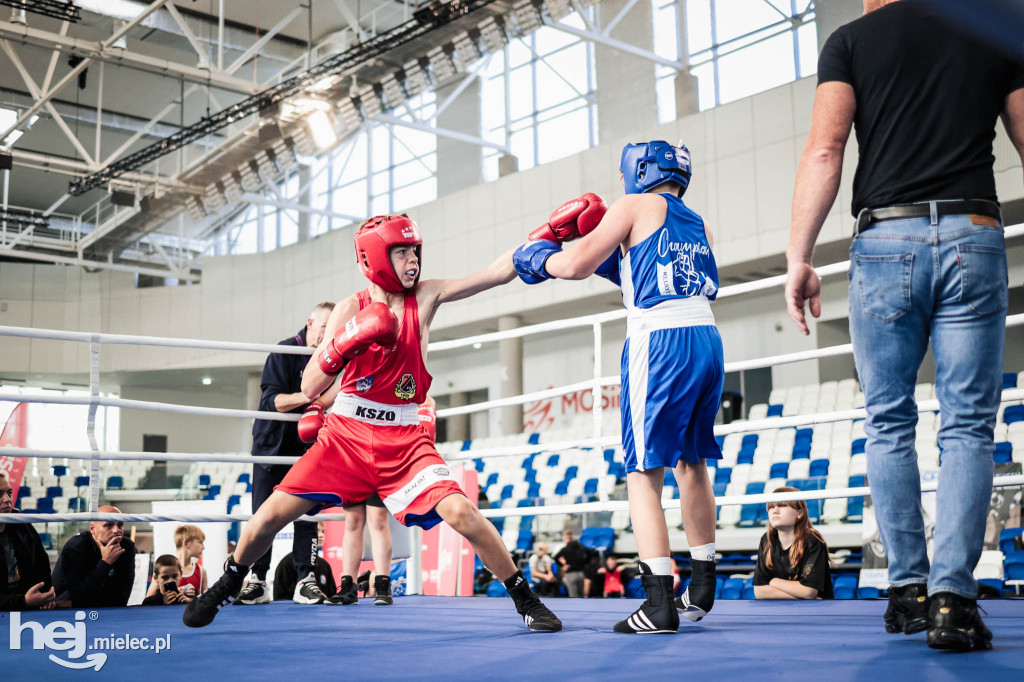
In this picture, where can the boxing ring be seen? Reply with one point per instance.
(434, 637)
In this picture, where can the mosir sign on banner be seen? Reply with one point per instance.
(562, 411)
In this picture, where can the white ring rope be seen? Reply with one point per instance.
(149, 405)
(149, 456)
(547, 510)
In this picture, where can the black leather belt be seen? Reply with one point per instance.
(869, 216)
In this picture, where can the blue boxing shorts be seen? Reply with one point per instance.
(671, 390)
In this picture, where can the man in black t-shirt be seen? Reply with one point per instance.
(96, 567)
(928, 262)
(573, 558)
(280, 387)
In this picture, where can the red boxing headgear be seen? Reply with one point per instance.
(373, 245)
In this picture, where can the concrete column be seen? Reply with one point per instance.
(459, 164)
(252, 391)
(510, 362)
(831, 14)
(458, 425)
(626, 100)
(687, 96)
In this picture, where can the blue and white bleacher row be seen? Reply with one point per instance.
(58, 488)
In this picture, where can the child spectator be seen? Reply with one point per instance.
(165, 587)
(543, 572)
(792, 559)
(188, 541)
(612, 577)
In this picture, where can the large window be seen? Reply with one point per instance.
(538, 98)
(735, 48)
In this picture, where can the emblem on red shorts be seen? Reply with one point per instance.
(405, 389)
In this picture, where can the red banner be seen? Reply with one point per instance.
(447, 558)
(560, 412)
(14, 436)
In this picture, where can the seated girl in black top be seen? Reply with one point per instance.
(792, 560)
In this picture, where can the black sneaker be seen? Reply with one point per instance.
(956, 625)
(308, 592)
(657, 615)
(253, 592)
(347, 594)
(363, 582)
(908, 609)
(382, 591)
(699, 597)
(203, 609)
(536, 616)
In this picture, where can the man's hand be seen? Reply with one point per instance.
(802, 286)
(36, 598)
(112, 551)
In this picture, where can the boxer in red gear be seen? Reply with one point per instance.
(372, 442)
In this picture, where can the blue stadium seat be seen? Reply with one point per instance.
(534, 489)
(44, 505)
(713, 463)
(855, 509)
(748, 515)
(774, 411)
(995, 583)
(1009, 380)
(60, 470)
(590, 487)
(243, 477)
(530, 476)
(1006, 537)
(779, 470)
(819, 467)
(115, 482)
(1013, 566)
(720, 440)
(233, 501)
(749, 440)
(76, 504)
(719, 489)
(634, 589)
(24, 491)
(857, 447)
(506, 492)
(562, 488)
(553, 460)
(805, 433)
(204, 481)
(723, 475)
(598, 537)
(496, 589)
(524, 543)
(732, 588)
(845, 586)
(81, 481)
(467, 445)
(1003, 453)
(478, 464)
(748, 589)
(47, 540)
(745, 456)
(1013, 413)
(234, 530)
(571, 472)
(212, 492)
(670, 477)
(801, 451)
(858, 481)
(868, 593)
(492, 479)
(55, 491)
(534, 439)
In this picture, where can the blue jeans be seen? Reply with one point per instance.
(945, 279)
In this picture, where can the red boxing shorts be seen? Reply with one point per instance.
(367, 447)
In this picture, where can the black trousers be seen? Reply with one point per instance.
(304, 541)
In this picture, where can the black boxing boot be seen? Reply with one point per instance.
(699, 596)
(347, 594)
(657, 615)
(382, 590)
(956, 624)
(203, 609)
(536, 616)
(907, 611)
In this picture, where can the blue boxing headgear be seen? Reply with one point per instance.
(645, 166)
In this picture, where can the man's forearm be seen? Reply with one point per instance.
(817, 184)
(286, 402)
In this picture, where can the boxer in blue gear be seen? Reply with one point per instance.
(659, 252)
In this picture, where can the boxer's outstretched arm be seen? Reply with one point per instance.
(314, 379)
(582, 260)
(497, 273)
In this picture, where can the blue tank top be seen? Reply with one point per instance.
(674, 262)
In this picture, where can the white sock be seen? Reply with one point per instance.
(704, 552)
(661, 565)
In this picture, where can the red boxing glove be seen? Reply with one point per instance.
(428, 418)
(310, 422)
(373, 324)
(572, 220)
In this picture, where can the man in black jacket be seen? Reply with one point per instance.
(97, 566)
(281, 386)
(23, 561)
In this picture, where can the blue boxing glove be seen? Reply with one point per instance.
(609, 269)
(529, 260)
